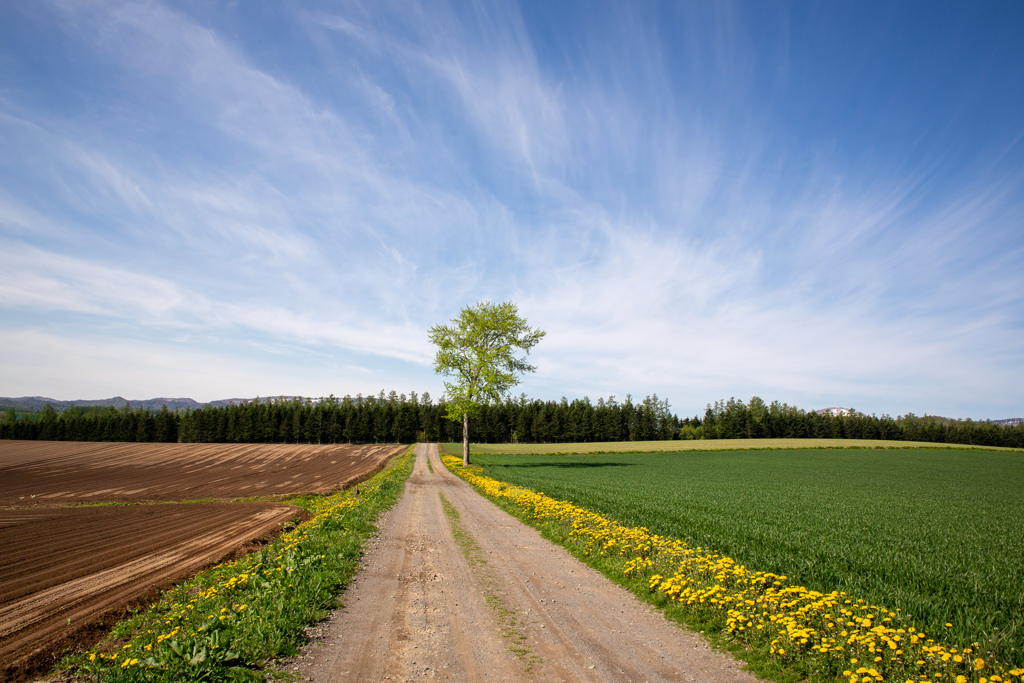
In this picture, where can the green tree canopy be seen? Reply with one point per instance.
(479, 351)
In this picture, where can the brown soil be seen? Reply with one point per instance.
(90, 565)
(47, 473)
(65, 572)
(513, 607)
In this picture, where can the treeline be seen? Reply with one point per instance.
(363, 419)
(735, 419)
(397, 418)
(92, 424)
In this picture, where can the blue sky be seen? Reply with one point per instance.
(820, 203)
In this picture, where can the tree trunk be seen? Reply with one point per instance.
(465, 439)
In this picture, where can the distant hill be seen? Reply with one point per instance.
(32, 404)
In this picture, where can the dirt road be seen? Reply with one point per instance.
(484, 597)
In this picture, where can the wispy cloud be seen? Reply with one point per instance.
(650, 185)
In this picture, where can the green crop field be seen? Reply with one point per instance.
(938, 534)
(700, 445)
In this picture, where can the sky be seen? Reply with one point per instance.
(816, 203)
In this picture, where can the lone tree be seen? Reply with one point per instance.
(479, 350)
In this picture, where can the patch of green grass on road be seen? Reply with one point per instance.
(508, 620)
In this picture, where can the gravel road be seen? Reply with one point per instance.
(491, 601)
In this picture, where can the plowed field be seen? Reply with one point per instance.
(60, 561)
(77, 564)
(34, 473)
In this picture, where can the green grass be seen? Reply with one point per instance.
(699, 445)
(935, 533)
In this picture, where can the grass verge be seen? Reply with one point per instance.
(785, 632)
(229, 621)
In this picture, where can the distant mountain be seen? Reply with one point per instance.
(262, 399)
(37, 403)
(1009, 422)
(835, 412)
